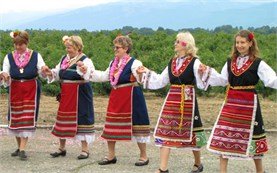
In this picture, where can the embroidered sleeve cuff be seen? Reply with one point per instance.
(205, 78)
(52, 78)
(145, 79)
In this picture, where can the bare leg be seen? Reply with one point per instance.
(197, 157)
(23, 143)
(85, 146)
(62, 144)
(164, 156)
(142, 148)
(18, 142)
(223, 164)
(111, 148)
(259, 165)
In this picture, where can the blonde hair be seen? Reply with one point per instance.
(75, 41)
(20, 37)
(253, 50)
(124, 41)
(190, 47)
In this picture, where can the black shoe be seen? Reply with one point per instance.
(22, 155)
(15, 153)
(161, 171)
(105, 161)
(142, 162)
(83, 155)
(199, 168)
(60, 153)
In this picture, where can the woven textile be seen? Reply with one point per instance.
(233, 131)
(118, 125)
(22, 104)
(66, 122)
(176, 120)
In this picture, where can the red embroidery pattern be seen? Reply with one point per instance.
(238, 72)
(178, 72)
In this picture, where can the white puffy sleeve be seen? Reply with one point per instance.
(55, 74)
(152, 80)
(6, 65)
(134, 68)
(216, 79)
(100, 76)
(90, 67)
(200, 84)
(267, 75)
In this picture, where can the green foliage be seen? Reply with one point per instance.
(153, 48)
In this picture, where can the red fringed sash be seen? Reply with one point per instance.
(118, 125)
(23, 104)
(233, 131)
(176, 120)
(66, 122)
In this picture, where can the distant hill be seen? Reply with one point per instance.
(177, 15)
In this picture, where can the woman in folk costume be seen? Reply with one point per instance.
(179, 124)
(239, 130)
(20, 71)
(127, 117)
(75, 116)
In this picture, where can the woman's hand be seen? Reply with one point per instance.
(82, 67)
(201, 70)
(46, 71)
(4, 76)
(141, 69)
(1, 77)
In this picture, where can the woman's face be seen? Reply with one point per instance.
(119, 50)
(243, 45)
(20, 47)
(178, 46)
(71, 50)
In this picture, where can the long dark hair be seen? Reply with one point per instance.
(253, 50)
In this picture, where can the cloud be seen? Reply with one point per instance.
(15, 6)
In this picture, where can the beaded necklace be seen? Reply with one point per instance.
(116, 71)
(21, 60)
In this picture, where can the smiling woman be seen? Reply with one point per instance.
(21, 68)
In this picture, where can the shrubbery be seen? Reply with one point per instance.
(153, 48)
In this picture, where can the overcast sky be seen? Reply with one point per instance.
(11, 6)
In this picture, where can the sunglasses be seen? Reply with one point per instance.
(181, 42)
(117, 47)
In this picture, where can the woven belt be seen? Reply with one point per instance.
(182, 85)
(74, 81)
(24, 80)
(125, 85)
(242, 87)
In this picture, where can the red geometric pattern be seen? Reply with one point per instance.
(22, 104)
(238, 72)
(118, 124)
(232, 134)
(66, 121)
(182, 68)
(173, 124)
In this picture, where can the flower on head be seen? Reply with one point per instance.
(183, 43)
(65, 38)
(14, 34)
(250, 36)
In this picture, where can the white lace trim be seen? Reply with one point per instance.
(84, 137)
(22, 134)
(141, 139)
